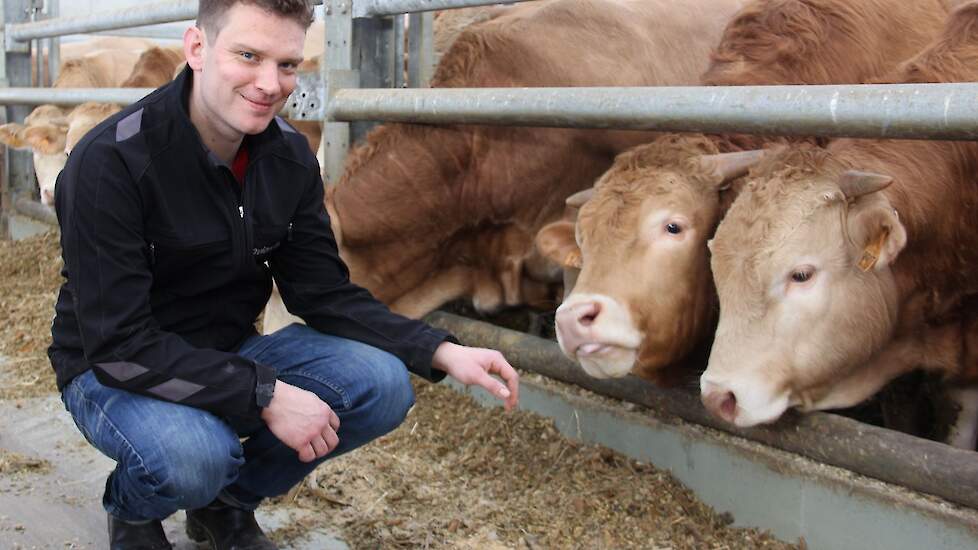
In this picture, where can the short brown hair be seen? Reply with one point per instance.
(210, 13)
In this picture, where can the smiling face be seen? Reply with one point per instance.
(243, 74)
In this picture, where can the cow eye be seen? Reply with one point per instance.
(802, 275)
(674, 228)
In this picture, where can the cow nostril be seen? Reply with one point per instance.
(587, 318)
(728, 406)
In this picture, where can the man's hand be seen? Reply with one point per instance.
(302, 420)
(474, 365)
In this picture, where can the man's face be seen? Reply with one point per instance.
(245, 73)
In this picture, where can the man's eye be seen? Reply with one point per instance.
(673, 228)
(248, 55)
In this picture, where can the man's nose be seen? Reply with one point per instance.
(268, 79)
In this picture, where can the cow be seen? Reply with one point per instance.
(645, 298)
(840, 269)
(45, 130)
(427, 214)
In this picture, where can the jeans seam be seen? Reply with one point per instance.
(125, 441)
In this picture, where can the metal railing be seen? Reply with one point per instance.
(914, 111)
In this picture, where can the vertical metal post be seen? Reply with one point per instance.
(15, 71)
(338, 72)
(421, 49)
(373, 55)
(399, 38)
(54, 44)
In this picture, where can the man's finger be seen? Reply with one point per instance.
(506, 371)
(332, 440)
(307, 453)
(334, 421)
(320, 446)
(493, 386)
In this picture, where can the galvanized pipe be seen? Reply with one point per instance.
(372, 8)
(36, 211)
(149, 14)
(917, 111)
(70, 96)
(915, 463)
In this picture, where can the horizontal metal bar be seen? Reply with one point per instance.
(36, 211)
(913, 111)
(147, 14)
(126, 96)
(372, 8)
(70, 96)
(918, 464)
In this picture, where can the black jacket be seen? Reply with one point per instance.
(167, 267)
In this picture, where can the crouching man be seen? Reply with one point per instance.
(176, 214)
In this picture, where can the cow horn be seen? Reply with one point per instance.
(728, 166)
(856, 184)
(578, 199)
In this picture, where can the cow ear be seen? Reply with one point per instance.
(877, 230)
(555, 241)
(12, 135)
(46, 139)
(726, 167)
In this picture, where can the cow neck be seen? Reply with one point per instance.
(404, 180)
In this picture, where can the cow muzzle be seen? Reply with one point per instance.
(598, 333)
(743, 405)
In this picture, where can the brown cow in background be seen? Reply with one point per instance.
(645, 297)
(840, 269)
(427, 214)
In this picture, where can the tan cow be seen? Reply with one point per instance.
(840, 269)
(45, 130)
(645, 297)
(427, 214)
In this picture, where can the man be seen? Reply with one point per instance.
(175, 214)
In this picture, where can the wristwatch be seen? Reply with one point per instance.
(264, 387)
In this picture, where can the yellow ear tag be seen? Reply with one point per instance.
(872, 252)
(573, 259)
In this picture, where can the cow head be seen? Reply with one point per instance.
(644, 296)
(802, 267)
(51, 132)
(422, 220)
(47, 143)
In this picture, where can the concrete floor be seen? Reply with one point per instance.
(62, 509)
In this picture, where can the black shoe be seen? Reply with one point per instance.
(225, 527)
(148, 535)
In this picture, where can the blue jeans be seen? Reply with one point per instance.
(171, 457)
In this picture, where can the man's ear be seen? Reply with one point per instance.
(877, 230)
(194, 42)
(555, 241)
